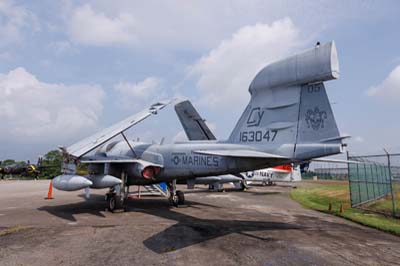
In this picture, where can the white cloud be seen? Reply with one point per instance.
(6, 56)
(44, 112)
(87, 26)
(389, 89)
(359, 139)
(62, 47)
(180, 137)
(196, 25)
(226, 72)
(140, 93)
(14, 19)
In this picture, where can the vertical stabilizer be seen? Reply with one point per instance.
(316, 121)
(193, 124)
(289, 112)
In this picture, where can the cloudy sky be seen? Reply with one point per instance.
(69, 68)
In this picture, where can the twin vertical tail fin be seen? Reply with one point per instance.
(289, 112)
(193, 124)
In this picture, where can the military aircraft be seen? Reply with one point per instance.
(20, 168)
(288, 120)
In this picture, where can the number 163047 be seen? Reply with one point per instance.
(257, 136)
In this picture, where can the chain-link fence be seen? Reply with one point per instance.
(374, 182)
(326, 171)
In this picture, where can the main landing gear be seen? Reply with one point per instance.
(117, 195)
(176, 197)
(114, 200)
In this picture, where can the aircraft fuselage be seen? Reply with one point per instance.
(183, 160)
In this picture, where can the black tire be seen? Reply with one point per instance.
(242, 186)
(111, 203)
(173, 200)
(181, 197)
(114, 202)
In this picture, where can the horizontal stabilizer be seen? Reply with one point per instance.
(333, 161)
(342, 137)
(240, 153)
(90, 143)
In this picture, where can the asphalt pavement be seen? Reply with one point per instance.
(261, 226)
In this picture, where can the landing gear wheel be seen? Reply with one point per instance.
(114, 202)
(111, 204)
(177, 199)
(181, 197)
(174, 200)
(243, 186)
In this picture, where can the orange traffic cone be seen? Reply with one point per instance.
(50, 193)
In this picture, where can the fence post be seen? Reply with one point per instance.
(391, 184)
(348, 178)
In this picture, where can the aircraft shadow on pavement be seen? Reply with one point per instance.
(189, 230)
(95, 206)
(206, 190)
(264, 193)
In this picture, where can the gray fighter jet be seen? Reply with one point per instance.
(288, 120)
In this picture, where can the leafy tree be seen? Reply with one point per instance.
(51, 165)
(8, 162)
(82, 169)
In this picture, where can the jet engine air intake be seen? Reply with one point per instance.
(150, 172)
(146, 169)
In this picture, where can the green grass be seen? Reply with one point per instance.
(318, 195)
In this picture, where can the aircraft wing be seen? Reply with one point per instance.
(193, 124)
(104, 159)
(93, 160)
(240, 153)
(90, 143)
